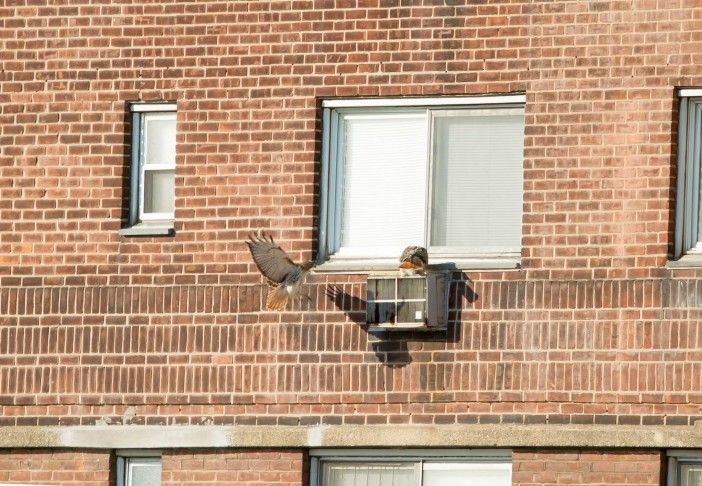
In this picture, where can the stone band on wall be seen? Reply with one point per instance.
(466, 436)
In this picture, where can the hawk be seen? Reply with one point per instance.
(284, 277)
(413, 260)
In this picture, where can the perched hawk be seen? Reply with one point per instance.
(413, 260)
(284, 277)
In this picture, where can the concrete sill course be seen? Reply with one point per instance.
(466, 436)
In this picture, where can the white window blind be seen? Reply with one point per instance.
(142, 471)
(369, 474)
(466, 474)
(158, 166)
(477, 180)
(691, 475)
(384, 182)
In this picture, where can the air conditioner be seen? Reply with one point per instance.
(418, 302)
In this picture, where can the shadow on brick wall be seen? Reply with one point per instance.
(391, 347)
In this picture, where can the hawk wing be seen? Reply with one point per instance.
(270, 259)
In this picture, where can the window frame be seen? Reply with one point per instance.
(140, 223)
(330, 181)
(417, 456)
(127, 458)
(679, 458)
(688, 213)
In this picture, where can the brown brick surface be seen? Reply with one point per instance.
(55, 467)
(546, 468)
(95, 327)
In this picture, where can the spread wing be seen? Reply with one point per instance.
(270, 259)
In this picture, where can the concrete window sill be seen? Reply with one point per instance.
(691, 260)
(149, 228)
(376, 266)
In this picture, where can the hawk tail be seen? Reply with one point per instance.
(277, 298)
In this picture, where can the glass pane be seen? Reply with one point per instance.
(477, 179)
(381, 289)
(384, 181)
(466, 474)
(411, 288)
(383, 313)
(691, 475)
(411, 312)
(356, 474)
(159, 138)
(143, 472)
(159, 191)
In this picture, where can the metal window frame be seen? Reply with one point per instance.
(127, 458)
(139, 112)
(418, 456)
(689, 164)
(332, 165)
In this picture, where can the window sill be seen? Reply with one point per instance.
(375, 266)
(691, 260)
(149, 228)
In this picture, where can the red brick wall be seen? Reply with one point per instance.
(55, 468)
(227, 468)
(545, 468)
(98, 328)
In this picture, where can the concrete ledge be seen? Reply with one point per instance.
(466, 436)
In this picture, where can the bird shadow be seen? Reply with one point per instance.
(391, 347)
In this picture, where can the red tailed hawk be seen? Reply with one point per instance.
(413, 260)
(284, 277)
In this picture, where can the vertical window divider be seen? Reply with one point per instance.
(429, 206)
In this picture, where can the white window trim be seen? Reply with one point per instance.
(127, 458)
(139, 223)
(422, 102)
(447, 257)
(471, 458)
(157, 106)
(687, 245)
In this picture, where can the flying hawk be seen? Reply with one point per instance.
(284, 277)
(413, 260)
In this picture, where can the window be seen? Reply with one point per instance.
(685, 468)
(688, 211)
(138, 470)
(445, 173)
(152, 183)
(411, 468)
